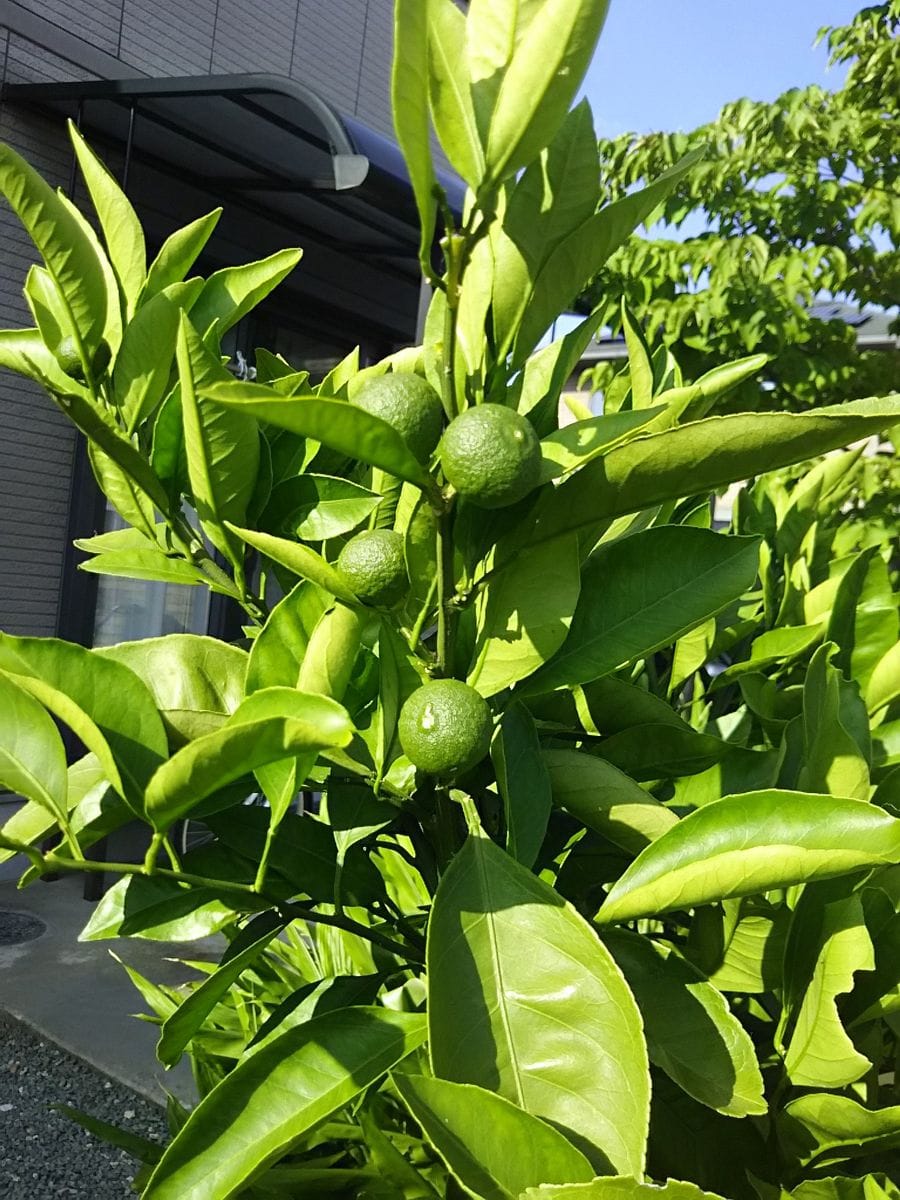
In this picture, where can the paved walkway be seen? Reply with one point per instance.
(75, 993)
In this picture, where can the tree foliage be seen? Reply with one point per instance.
(795, 200)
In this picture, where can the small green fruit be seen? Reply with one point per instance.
(445, 727)
(69, 359)
(374, 567)
(491, 455)
(409, 404)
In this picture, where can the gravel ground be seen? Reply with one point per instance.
(43, 1155)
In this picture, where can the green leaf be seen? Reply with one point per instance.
(341, 426)
(139, 1148)
(662, 751)
(832, 762)
(101, 701)
(621, 1188)
(179, 1028)
(409, 104)
(752, 959)
(640, 367)
(300, 560)
(144, 362)
(151, 563)
(452, 110)
(492, 1147)
(195, 681)
(33, 822)
(524, 615)
(867, 1187)
(24, 351)
(537, 388)
(278, 650)
(272, 724)
(703, 455)
(747, 844)
(776, 645)
(273, 1097)
(32, 755)
(691, 1033)
(121, 228)
(332, 652)
(577, 444)
(606, 800)
(830, 1129)
(222, 446)
(156, 908)
(319, 507)
(884, 684)
(491, 1005)
(524, 783)
(231, 293)
(178, 254)
(578, 258)
(827, 944)
(643, 592)
(863, 620)
(63, 244)
(541, 81)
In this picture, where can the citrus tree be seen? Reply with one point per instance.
(505, 951)
(796, 203)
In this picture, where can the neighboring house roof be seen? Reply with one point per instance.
(873, 332)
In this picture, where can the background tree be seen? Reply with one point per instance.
(797, 200)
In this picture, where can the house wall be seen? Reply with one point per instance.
(341, 49)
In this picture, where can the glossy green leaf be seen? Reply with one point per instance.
(318, 507)
(827, 944)
(145, 360)
(866, 1187)
(691, 1033)
(24, 351)
(578, 258)
(537, 388)
(833, 762)
(642, 592)
(332, 652)
(554, 195)
(272, 724)
(279, 648)
(666, 751)
(556, 1030)
(613, 1187)
(195, 681)
(178, 254)
(179, 1028)
(276, 1095)
(409, 103)
(606, 800)
(494, 1149)
(65, 248)
(101, 701)
(222, 446)
(121, 228)
(539, 84)
(138, 1147)
(752, 960)
(150, 563)
(577, 444)
(32, 756)
(752, 843)
(452, 110)
(776, 645)
(158, 909)
(112, 318)
(232, 292)
(884, 684)
(717, 450)
(524, 615)
(300, 560)
(863, 620)
(129, 500)
(340, 426)
(825, 1129)
(33, 822)
(524, 783)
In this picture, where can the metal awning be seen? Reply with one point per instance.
(266, 139)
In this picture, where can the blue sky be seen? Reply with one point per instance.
(672, 64)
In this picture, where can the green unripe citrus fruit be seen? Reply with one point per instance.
(445, 727)
(491, 455)
(69, 359)
(374, 567)
(408, 403)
